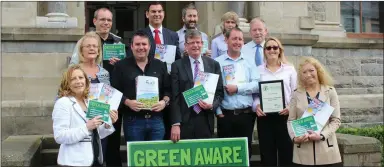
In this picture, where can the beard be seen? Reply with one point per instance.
(187, 25)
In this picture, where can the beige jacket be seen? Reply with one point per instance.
(319, 152)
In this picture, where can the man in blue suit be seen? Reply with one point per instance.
(157, 33)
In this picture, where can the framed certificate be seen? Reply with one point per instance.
(272, 96)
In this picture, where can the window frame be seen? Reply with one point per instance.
(362, 34)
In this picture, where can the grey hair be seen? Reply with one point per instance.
(191, 33)
(258, 19)
(189, 6)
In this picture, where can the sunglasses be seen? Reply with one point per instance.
(272, 47)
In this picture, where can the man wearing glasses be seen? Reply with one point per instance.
(197, 121)
(103, 22)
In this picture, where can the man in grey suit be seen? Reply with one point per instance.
(195, 122)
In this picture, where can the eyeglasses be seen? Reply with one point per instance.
(195, 42)
(272, 47)
(91, 46)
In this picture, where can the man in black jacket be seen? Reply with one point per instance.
(141, 124)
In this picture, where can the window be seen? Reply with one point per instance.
(362, 17)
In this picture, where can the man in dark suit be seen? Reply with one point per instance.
(195, 122)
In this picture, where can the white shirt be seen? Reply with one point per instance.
(249, 50)
(286, 72)
(160, 33)
(201, 65)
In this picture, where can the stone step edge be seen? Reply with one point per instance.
(50, 103)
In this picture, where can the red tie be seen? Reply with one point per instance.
(157, 37)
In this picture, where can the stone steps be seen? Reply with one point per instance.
(50, 151)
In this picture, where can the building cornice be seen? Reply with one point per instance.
(41, 34)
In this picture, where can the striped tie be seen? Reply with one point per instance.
(196, 107)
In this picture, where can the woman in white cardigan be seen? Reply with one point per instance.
(79, 138)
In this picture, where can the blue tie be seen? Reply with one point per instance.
(258, 57)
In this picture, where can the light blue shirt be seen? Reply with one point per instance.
(181, 34)
(219, 47)
(243, 98)
(249, 51)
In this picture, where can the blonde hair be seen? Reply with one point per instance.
(65, 89)
(322, 74)
(281, 59)
(79, 45)
(229, 16)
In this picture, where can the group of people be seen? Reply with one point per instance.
(93, 142)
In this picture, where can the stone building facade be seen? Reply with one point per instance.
(37, 38)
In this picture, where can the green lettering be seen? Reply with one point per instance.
(185, 157)
(139, 161)
(150, 156)
(208, 156)
(236, 155)
(199, 157)
(172, 157)
(217, 157)
(227, 152)
(161, 157)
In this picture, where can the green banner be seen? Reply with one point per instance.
(113, 50)
(96, 108)
(301, 126)
(193, 95)
(199, 152)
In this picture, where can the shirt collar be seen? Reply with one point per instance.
(153, 29)
(193, 60)
(226, 56)
(262, 44)
(282, 65)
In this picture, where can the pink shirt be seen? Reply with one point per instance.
(286, 72)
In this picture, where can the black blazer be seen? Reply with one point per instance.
(182, 80)
(170, 38)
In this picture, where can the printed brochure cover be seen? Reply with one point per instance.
(147, 91)
(209, 81)
(166, 53)
(320, 110)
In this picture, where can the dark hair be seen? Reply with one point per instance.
(140, 33)
(228, 33)
(97, 12)
(154, 3)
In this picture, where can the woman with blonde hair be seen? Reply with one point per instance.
(313, 148)
(274, 141)
(90, 57)
(228, 21)
(79, 138)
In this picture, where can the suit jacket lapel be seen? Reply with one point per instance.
(188, 69)
(78, 108)
(207, 67)
(165, 36)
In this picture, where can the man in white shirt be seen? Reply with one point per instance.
(254, 49)
(190, 18)
(157, 33)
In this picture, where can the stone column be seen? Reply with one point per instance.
(239, 8)
(56, 17)
(57, 10)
